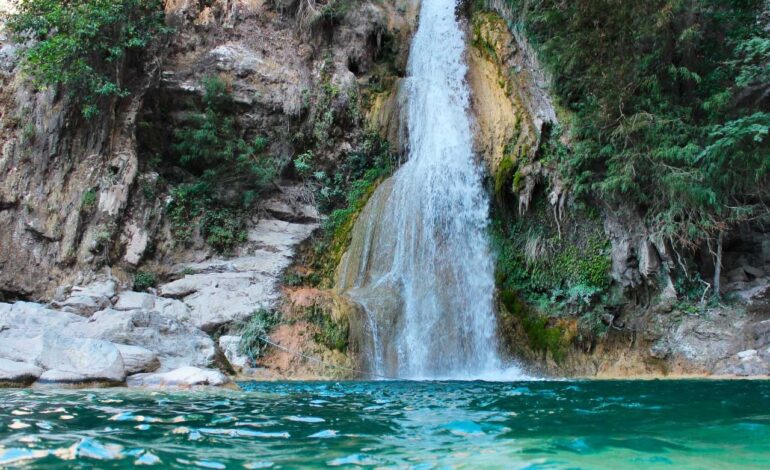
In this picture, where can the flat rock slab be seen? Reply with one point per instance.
(180, 378)
(13, 373)
(85, 300)
(221, 291)
(32, 319)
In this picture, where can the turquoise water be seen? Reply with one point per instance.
(617, 424)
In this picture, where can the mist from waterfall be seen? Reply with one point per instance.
(420, 261)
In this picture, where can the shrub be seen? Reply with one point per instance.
(144, 280)
(84, 45)
(223, 229)
(331, 333)
(230, 172)
(257, 327)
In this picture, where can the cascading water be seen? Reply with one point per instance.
(420, 262)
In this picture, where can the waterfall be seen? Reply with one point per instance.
(420, 261)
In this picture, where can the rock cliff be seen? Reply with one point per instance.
(86, 204)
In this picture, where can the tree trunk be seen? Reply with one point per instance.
(718, 267)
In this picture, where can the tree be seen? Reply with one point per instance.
(85, 45)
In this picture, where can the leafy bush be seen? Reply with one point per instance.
(230, 172)
(84, 45)
(211, 145)
(143, 280)
(223, 229)
(670, 104)
(257, 327)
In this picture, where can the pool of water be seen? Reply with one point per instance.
(583, 424)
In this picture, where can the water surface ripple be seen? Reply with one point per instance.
(534, 425)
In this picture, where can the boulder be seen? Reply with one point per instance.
(84, 305)
(229, 345)
(175, 343)
(57, 377)
(106, 289)
(182, 377)
(753, 272)
(85, 300)
(129, 300)
(230, 297)
(93, 360)
(31, 319)
(137, 359)
(20, 348)
(17, 373)
(737, 275)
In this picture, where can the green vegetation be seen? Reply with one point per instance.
(331, 333)
(88, 200)
(553, 272)
(343, 195)
(670, 104)
(541, 334)
(257, 327)
(86, 45)
(229, 172)
(143, 280)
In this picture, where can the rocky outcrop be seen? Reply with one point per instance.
(219, 291)
(72, 197)
(510, 105)
(184, 377)
(104, 347)
(82, 205)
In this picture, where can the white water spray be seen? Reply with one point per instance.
(420, 262)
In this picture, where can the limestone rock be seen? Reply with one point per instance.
(744, 363)
(60, 377)
(91, 359)
(130, 300)
(175, 343)
(229, 345)
(137, 359)
(182, 377)
(752, 271)
(222, 291)
(229, 297)
(83, 304)
(31, 319)
(706, 340)
(20, 348)
(18, 373)
(85, 300)
(737, 275)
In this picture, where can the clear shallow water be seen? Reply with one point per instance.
(648, 424)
